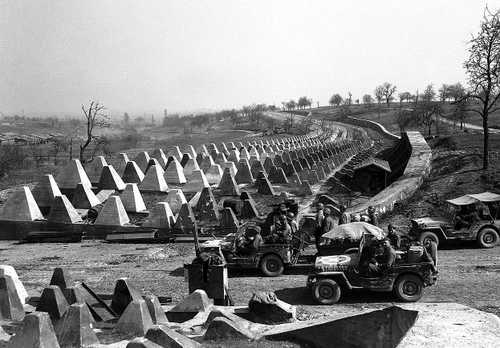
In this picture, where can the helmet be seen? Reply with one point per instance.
(290, 215)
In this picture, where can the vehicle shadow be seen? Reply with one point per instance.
(178, 272)
(303, 296)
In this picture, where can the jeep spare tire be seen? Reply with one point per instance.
(326, 291)
(409, 288)
(271, 265)
(487, 237)
(426, 236)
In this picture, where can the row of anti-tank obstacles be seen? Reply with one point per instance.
(163, 179)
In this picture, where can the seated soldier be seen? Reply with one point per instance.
(294, 227)
(281, 230)
(378, 258)
(250, 242)
(393, 237)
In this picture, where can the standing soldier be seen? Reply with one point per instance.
(344, 217)
(319, 223)
(372, 215)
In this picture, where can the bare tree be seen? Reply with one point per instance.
(94, 117)
(335, 99)
(367, 99)
(483, 70)
(387, 90)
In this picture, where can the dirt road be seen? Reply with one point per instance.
(466, 275)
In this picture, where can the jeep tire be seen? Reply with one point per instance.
(326, 291)
(487, 237)
(271, 265)
(429, 235)
(409, 287)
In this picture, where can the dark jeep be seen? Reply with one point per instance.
(484, 228)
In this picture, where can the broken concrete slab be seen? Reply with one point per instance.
(84, 197)
(386, 327)
(21, 206)
(267, 308)
(166, 337)
(45, 191)
(11, 305)
(110, 180)
(53, 302)
(36, 331)
(135, 320)
(72, 174)
(75, 329)
(221, 329)
(155, 309)
(161, 216)
(62, 211)
(132, 199)
(132, 173)
(113, 213)
(195, 302)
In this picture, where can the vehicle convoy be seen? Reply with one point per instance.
(337, 274)
(472, 217)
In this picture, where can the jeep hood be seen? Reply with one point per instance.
(334, 263)
(431, 221)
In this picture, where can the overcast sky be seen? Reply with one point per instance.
(144, 56)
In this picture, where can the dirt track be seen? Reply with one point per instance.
(467, 275)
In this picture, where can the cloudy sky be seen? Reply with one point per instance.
(144, 56)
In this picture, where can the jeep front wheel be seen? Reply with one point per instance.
(487, 238)
(429, 237)
(326, 292)
(271, 265)
(409, 288)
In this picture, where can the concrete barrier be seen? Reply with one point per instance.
(372, 125)
(417, 168)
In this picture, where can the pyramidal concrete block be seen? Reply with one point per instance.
(197, 301)
(227, 185)
(206, 207)
(231, 166)
(18, 285)
(132, 199)
(155, 310)
(113, 213)
(159, 155)
(161, 216)
(45, 191)
(53, 302)
(94, 169)
(176, 198)
(132, 173)
(154, 180)
(72, 174)
(21, 206)
(135, 320)
(185, 221)
(175, 152)
(62, 211)
(174, 173)
(228, 221)
(190, 166)
(84, 198)
(244, 174)
(196, 182)
(110, 180)
(122, 162)
(124, 293)
(11, 307)
(221, 329)
(61, 278)
(142, 160)
(214, 174)
(75, 329)
(36, 331)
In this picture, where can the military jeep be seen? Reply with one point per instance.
(485, 229)
(337, 274)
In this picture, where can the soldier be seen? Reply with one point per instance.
(393, 237)
(319, 223)
(372, 215)
(344, 217)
